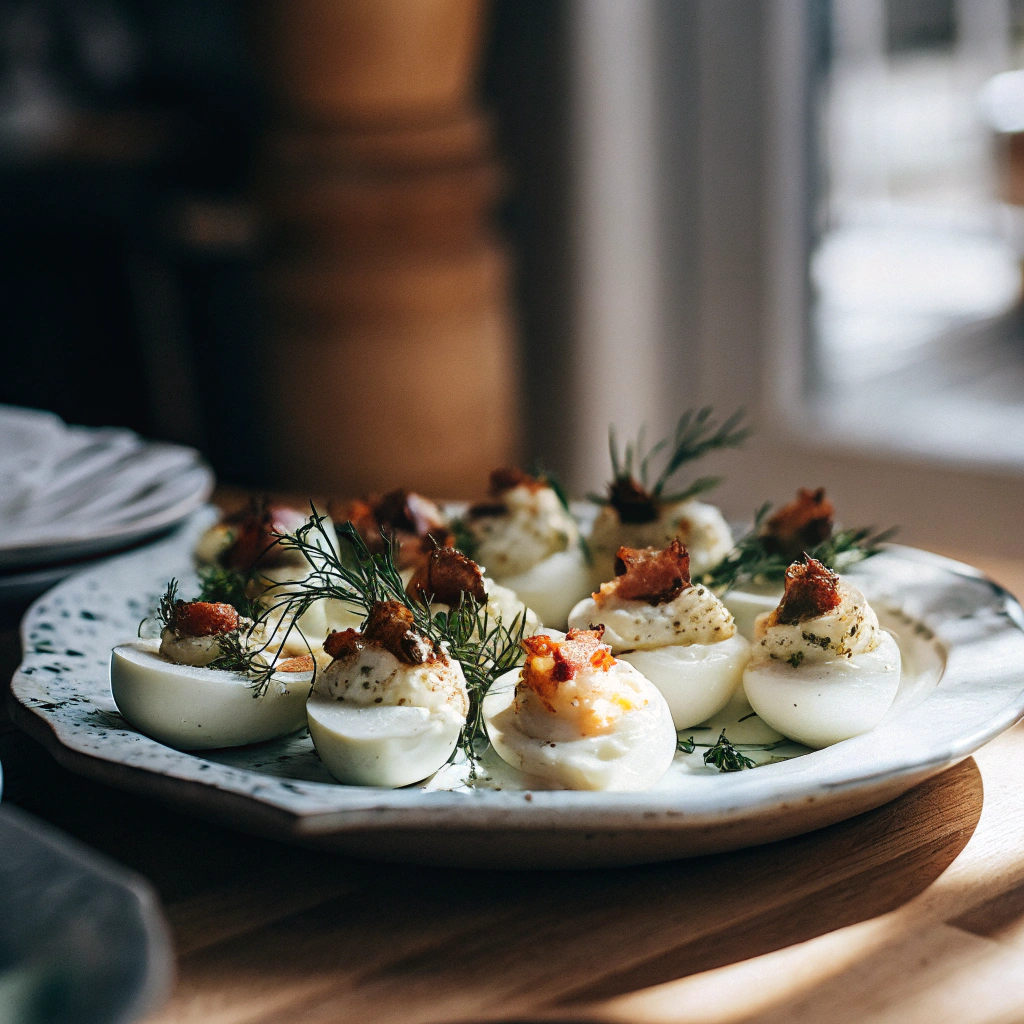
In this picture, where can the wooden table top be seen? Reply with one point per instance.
(910, 913)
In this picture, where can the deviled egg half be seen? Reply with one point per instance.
(247, 549)
(676, 633)
(634, 517)
(447, 575)
(388, 709)
(579, 717)
(821, 668)
(527, 540)
(175, 690)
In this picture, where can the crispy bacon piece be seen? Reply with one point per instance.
(550, 662)
(647, 574)
(348, 641)
(300, 663)
(446, 575)
(801, 525)
(255, 536)
(203, 618)
(483, 509)
(811, 590)
(633, 504)
(408, 512)
(391, 627)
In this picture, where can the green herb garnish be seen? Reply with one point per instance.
(726, 758)
(228, 586)
(753, 559)
(635, 496)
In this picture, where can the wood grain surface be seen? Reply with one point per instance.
(913, 912)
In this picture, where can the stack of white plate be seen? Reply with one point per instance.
(71, 494)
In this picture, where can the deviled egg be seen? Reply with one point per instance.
(252, 561)
(389, 708)
(634, 517)
(821, 669)
(753, 573)
(577, 716)
(174, 689)
(528, 541)
(676, 633)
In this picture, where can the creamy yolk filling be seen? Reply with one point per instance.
(820, 618)
(524, 525)
(571, 689)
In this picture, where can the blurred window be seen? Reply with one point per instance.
(916, 329)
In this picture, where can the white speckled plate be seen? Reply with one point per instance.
(962, 639)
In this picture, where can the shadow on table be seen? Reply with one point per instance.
(322, 936)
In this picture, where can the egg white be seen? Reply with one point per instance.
(696, 680)
(376, 721)
(824, 702)
(195, 708)
(383, 745)
(632, 757)
(554, 585)
(749, 601)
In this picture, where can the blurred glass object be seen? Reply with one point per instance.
(916, 267)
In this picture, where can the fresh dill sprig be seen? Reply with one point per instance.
(238, 655)
(696, 435)
(228, 586)
(753, 561)
(726, 758)
(724, 755)
(485, 647)
(465, 541)
(163, 614)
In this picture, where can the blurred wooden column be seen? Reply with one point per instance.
(391, 350)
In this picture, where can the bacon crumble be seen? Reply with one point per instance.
(257, 530)
(632, 502)
(550, 662)
(445, 576)
(811, 590)
(801, 525)
(650, 575)
(203, 618)
(391, 627)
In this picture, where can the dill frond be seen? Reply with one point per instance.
(726, 758)
(696, 435)
(465, 541)
(752, 560)
(163, 613)
(228, 586)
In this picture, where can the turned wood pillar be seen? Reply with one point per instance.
(390, 358)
